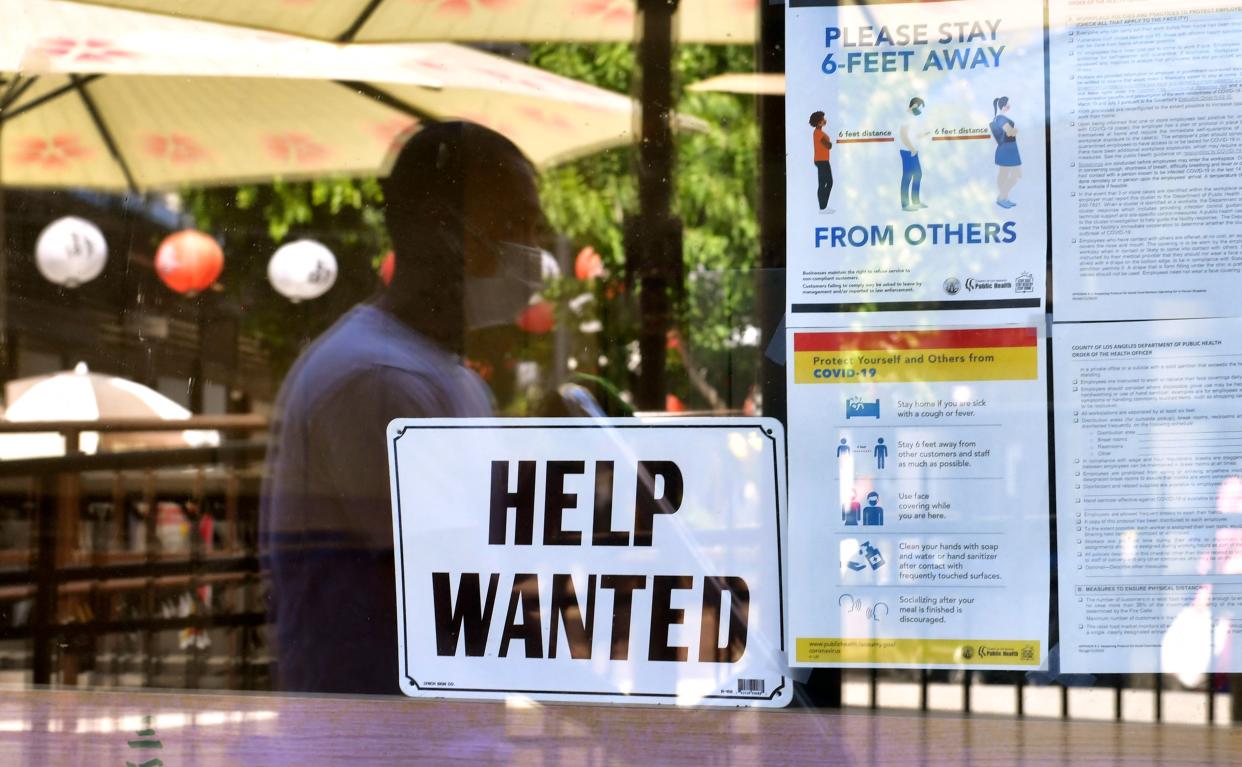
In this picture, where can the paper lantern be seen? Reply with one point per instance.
(302, 270)
(189, 261)
(71, 251)
(538, 318)
(588, 264)
(388, 267)
(548, 268)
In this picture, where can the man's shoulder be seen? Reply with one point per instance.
(366, 348)
(365, 338)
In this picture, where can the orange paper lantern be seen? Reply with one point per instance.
(388, 267)
(588, 265)
(189, 261)
(537, 318)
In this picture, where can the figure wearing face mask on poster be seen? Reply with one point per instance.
(913, 138)
(1008, 160)
(463, 212)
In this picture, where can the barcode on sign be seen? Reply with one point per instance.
(750, 685)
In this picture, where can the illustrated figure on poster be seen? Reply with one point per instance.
(872, 555)
(851, 512)
(880, 452)
(912, 137)
(867, 555)
(873, 513)
(1008, 161)
(823, 160)
(843, 449)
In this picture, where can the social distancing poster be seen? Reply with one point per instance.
(916, 156)
(591, 560)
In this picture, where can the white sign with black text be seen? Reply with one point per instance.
(618, 560)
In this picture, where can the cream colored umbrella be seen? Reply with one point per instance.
(112, 99)
(702, 21)
(80, 395)
(748, 83)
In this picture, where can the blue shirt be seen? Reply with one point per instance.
(325, 525)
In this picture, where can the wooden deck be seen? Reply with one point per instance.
(96, 728)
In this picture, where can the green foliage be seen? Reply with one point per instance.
(716, 188)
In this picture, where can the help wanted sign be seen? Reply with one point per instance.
(623, 560)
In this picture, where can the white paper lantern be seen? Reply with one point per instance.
(71, 251)
(549, 269)
(302, 270)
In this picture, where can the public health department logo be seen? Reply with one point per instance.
(1024, 283)
(1028, 653)
(973, 283)
(968, 652)
(952, 286)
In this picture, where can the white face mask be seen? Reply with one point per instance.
(500, 298)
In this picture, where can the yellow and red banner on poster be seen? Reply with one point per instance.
(899, 356)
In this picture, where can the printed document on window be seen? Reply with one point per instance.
(918, 486)
(1149, 496)
(916, 156)
(1146, 158)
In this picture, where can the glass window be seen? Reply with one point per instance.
(444, 365)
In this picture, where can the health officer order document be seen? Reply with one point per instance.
(1149, 495)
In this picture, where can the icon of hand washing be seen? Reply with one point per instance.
(867, 556)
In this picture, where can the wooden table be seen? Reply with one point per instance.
(42, 728)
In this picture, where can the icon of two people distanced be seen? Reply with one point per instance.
(879, 452)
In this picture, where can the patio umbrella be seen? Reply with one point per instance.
(116, 100)
(544, 118)
(747, 83)
(80, 395)
(700, 21)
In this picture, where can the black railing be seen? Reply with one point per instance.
(119, 583)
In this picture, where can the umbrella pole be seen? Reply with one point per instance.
(6, 371)
(772, 234)
(12, 90)
(656, 238)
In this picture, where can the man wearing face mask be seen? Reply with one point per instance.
(463, 211)
(913, 138)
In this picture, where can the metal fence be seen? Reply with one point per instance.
(1155, 698)
(119, 561)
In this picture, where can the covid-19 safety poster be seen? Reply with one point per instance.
(916, 384)
(915, 135)
(918, 528)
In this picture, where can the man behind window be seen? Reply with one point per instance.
(462, 207)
